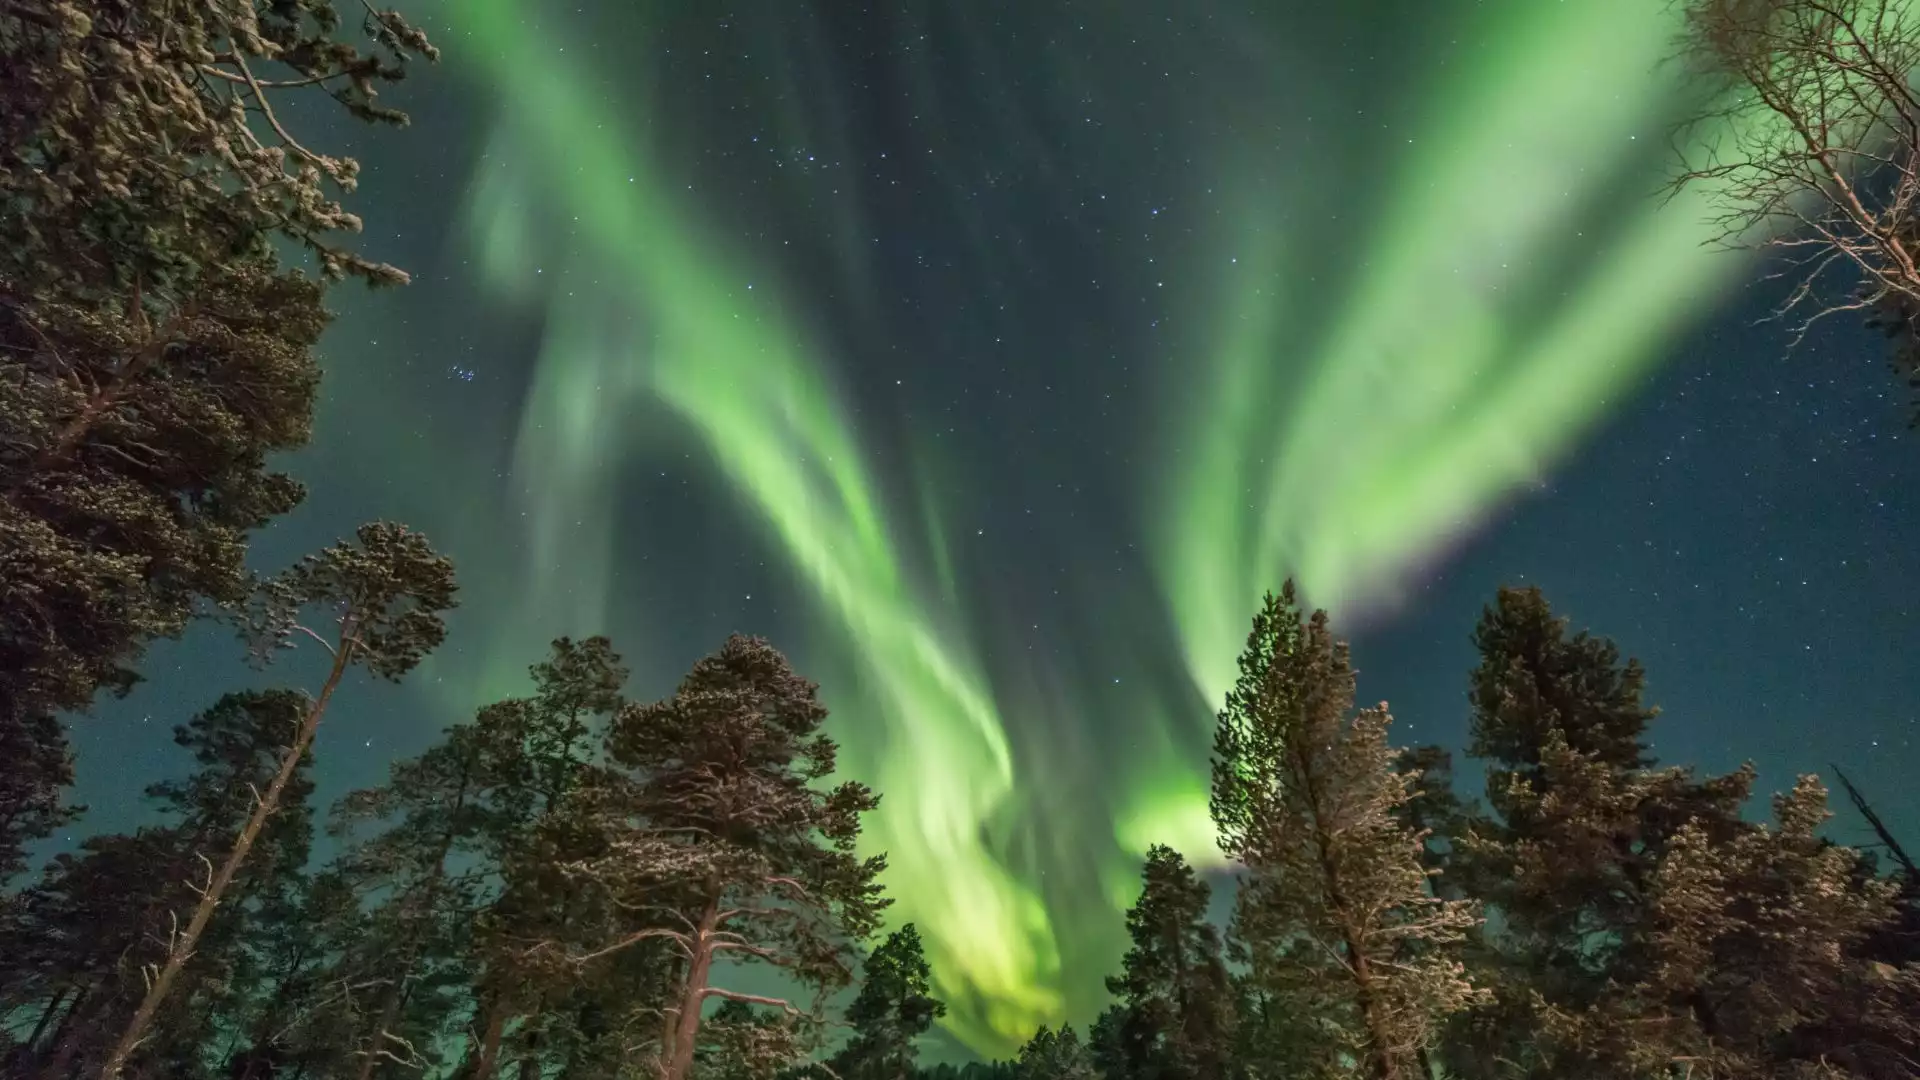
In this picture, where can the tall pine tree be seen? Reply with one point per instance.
(1643, 926)
(1335, 892)
(384, 596)
(101, 921)
(1174, 1000)
(722, 846)
(1581, 822)
(1055, 1055)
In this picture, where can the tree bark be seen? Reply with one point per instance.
(530, 1064)
(1383, 1064)
(686, 1023)
(46, 1017)
(489, 1056)
(181, 949)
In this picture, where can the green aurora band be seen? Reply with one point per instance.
(1455, 370)
(1503, 305)
(733, 364)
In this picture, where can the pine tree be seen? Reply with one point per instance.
(894, 1008)
(1436, 811)
(83, 934)
(153, 351)
(426, 885)
(130, 155)
(722, 847)
(1533, 678)
(975, 1070)
(385, 596)
(1271, 1040)
(294, 1011)
(1757, 963)
(541, 751)
(1335, 894)
(1055, 1055)
(1173, 1017)
(99, 921)
(464, 876)
(1582, 822)
(111, 535)
(35, 767)
(1746, 962)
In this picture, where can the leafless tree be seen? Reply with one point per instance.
(1809, 147)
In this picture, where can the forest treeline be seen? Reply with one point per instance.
(571, 884)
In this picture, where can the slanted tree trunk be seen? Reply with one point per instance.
(686, 1021)
(46, 1017)
(487, 1057)
(1382, 1064)
(180, 950)
(1887, 839)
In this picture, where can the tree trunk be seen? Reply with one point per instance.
(489, 1055)
(389, 1012)
(181, 949)
(530, 1064)
(1384, 1066)
(686, 1023)
(66, 1038)
(46, 1017)
(1879, 827)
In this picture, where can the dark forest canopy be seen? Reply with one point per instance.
(575, 884)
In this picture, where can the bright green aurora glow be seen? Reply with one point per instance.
(733, 364)
(1507, 301)
(1505, 297)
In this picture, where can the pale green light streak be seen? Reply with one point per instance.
(1432, 398)
(733, 365)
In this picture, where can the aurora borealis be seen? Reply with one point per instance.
(992, 361)
(1439, 349)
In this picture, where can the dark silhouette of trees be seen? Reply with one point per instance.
(102, 921)
(1173, 1012)
(384, 597)
(894, 1008)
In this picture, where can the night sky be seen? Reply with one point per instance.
(992, 358)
